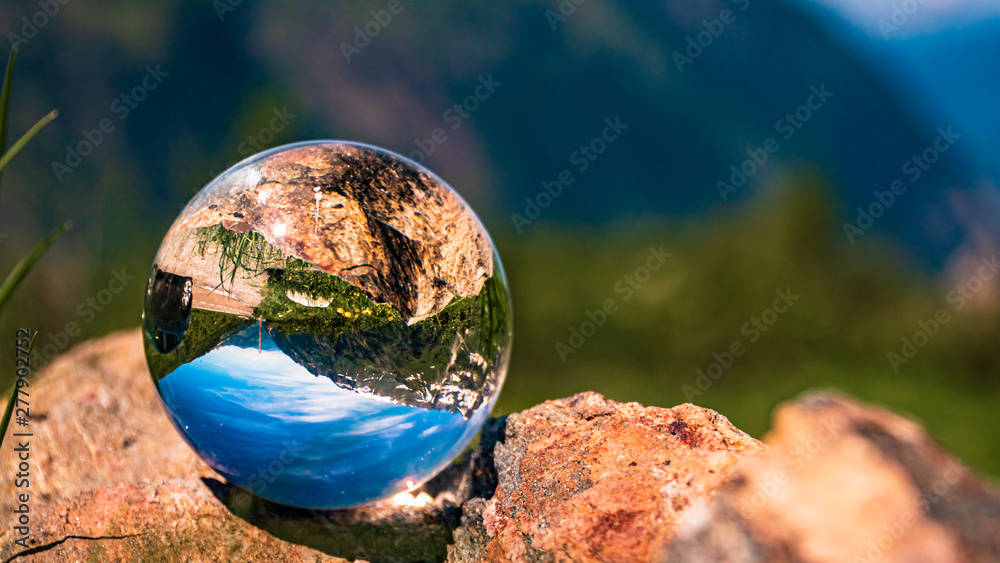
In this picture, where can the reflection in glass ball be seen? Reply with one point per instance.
(327, 324)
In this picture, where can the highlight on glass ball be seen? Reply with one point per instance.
(327, 324)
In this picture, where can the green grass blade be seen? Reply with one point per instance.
(5, 100)
(16, 147)
(24, 266)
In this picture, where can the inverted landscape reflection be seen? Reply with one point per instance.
(272, 427)
(327, 324)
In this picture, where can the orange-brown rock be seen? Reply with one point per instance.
(842, 482)
(97, 421)
(379, 223)
(167, 520)
(588, 479)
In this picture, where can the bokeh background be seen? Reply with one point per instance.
(696, 85)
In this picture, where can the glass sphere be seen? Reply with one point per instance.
(327, 324)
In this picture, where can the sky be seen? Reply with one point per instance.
(907, 18)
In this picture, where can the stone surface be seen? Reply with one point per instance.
(581, 478)
(585, 478)
(414, 242)
(165, 520)
(842, 482)
(97, 421)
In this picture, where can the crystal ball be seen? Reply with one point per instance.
(327, 324)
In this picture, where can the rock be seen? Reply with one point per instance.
(587, 479)
(847, 483)
(164, 520)
(413, 242)
(581, 478)
(97, 421)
